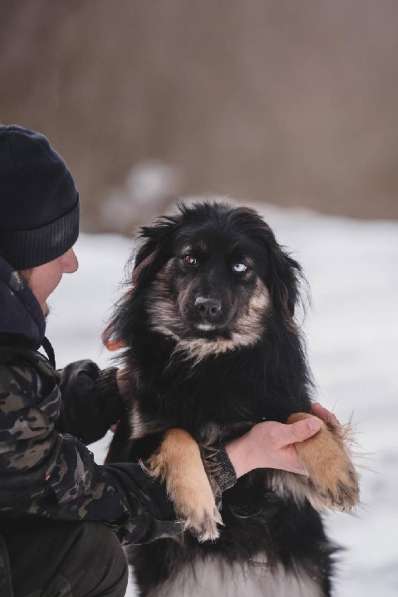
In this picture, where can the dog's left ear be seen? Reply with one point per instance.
(285, 274)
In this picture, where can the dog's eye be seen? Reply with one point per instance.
(190, 260)
(239, 268)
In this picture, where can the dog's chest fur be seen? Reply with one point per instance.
(226, 389)
(212, 577)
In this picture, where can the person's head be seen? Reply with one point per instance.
(39, 210)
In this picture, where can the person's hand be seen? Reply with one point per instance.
(90, 401)
(271, 444)
(323, 413)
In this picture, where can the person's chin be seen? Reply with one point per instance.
(46, 310)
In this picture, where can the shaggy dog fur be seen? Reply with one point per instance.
(212, 347)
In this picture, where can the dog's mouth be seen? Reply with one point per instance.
(210, 331)
(206, 317)
(206, 327)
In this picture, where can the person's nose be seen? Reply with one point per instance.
(69, 262)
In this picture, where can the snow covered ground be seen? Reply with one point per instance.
(352, 336)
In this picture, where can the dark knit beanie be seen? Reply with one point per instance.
(39, 203)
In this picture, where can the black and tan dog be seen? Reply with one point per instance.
(212, 348)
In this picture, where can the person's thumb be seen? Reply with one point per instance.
(300, 430)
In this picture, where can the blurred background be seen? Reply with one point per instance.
(289, 106)
(290, 102)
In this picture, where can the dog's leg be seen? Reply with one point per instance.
(178, 462)
(332, 482)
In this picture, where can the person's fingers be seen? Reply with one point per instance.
(298, 432)
(270, 444)
(325, 414)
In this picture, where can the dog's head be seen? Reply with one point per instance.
(211, 276)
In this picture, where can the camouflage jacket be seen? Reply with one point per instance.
(45, 472)
(45, 467)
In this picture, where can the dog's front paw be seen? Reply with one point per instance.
(337, 487)
(333, 481)
(178, 462)
(200, 516)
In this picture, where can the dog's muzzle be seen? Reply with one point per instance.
(208, 312)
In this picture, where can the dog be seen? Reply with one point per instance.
(211, 348)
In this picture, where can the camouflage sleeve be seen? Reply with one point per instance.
(50, 474)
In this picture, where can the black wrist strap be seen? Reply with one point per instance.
(221, 473)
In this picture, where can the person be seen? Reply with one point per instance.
(64, 518)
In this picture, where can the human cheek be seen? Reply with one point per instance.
(53, 281)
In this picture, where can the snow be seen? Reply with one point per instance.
(352, 336)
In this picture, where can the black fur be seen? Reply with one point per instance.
(267, 378)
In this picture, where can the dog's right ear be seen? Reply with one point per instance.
(144, 264)
(155, 250)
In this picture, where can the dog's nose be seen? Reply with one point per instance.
(208, 308)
